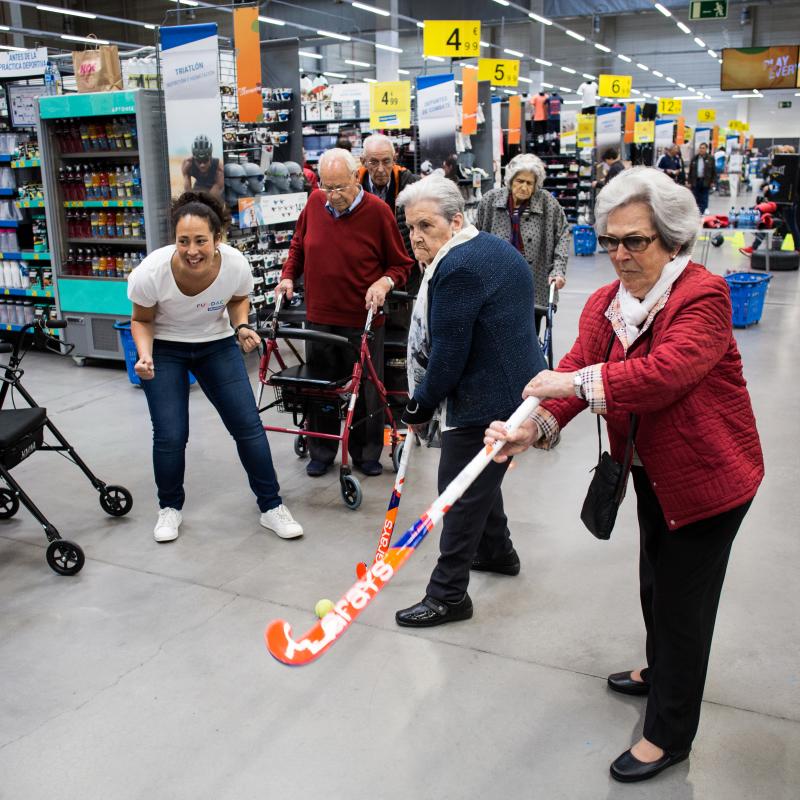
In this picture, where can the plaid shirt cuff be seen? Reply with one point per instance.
(548, 427)
(592, 386)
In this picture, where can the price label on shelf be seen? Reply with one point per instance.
(670, 106)
(390, 104)
(585, 134)
(451, 38)
(706, 115)
(615, 85)
(644, 132)
(499, 71)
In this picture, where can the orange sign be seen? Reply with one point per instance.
(680, 133)
(514, 119)
(248, 64)
(630, 122)
(469, 102)
(714, 137)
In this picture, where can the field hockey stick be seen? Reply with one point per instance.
(394, 505)
(296, 652)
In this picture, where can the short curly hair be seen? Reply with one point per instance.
(525, 162)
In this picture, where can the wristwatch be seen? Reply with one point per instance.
(239, 327)
(391, 282)
(577, 384)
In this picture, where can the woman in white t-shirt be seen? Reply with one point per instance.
(190, 308)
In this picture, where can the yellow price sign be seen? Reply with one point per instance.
(644, 132)
(670, 106)
(736, 125)
(390, 104)
(451, 38)
(499, 71)
(706, 115)
(585, 133)
(615, 85)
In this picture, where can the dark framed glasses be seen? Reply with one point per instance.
(633, 243)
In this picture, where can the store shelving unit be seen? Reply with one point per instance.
(93, 299)
(567, 181)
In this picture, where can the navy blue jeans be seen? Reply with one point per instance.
(221, 374)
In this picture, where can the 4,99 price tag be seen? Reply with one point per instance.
(615, 85)
(499, 71)
(390, 104)
(669, 106)
(451, 38)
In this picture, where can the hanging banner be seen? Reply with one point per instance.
(390, 104)
(703, 136)
(644, 132)
(19, 63)
(499, 71)
(469, 102)
(248, 64)
(514, 119)
(451, 38)
(568, 124)
(609, 127)
(436, 117)
(585, 137)
(664, 132)
(714, 137)
(189, 55)
(680, 132)
(497, 138)
(630, 122)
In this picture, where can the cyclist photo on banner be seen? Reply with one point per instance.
(205, 171)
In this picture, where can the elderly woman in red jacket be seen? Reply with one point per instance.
(658, 343)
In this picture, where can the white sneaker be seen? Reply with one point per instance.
(280, 521)
(169, 520)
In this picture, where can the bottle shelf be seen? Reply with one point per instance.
(93, 154)
(30, 203)
(107, 240)
(26, 162)
(5, 158)
(104, 203)
(40, 293)
(5, 326)
(93, 278)
(8, 192)
(24, 256)
(9, 223)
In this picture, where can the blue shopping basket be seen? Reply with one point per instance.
(131, 356)
(584, 240)
(748, 292)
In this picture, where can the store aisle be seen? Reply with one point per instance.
(146, 675)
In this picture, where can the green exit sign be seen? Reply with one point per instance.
(784, 104)
(708, 9)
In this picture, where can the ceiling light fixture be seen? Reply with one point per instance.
(67, 11)
(665, 11)
(574, 35)
(420, 24)
(513, 52)
(624, 58)
(646, 94)
(357, 63)
(658, 74)
(403, 72)
(525, 80)
(11, 47)
(568, 69)
(382, 12)
(434, 58)
(484, 44)
(712, 53)
(502, 2)
(644, 67)
(748, 96)
(602, 48)
(332, 35)
(335, 75)
(565, 89)
(309, 55)
(684, 28)
(471, 66)
(670, 80)
(70, 38)
(271, 21)
(370, 80)
(589, 76)
(390, 48)
(699, 42)
(547, 85)
(543, 62)
(543, 20)
(682, 85)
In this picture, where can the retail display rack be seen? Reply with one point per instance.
(106, 197)
(569, 179)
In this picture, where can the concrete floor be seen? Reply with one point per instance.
(146, 675)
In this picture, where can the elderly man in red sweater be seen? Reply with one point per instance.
(349, 249)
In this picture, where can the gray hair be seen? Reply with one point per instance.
(436, 189)
(377, 138)
(338, 154)
(672, 207)
(525, 162)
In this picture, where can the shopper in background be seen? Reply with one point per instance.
(450, 168)
(613, 166)
(344, 143)
(470, 346)
(186, 299)
(349, 249)
(672, 164)
(201, 172)
(659, 343)
(702, 174)
(532, 220)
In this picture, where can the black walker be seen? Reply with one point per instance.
(22, 433)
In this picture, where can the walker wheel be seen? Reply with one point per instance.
(116, 500)
(351, 491)
(301, 446)
(397, 454)
(9, 504)
(64, 557)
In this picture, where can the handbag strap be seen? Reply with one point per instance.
(599, 435)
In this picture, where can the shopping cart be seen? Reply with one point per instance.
(300, 388)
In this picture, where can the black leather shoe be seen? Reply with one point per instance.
(623, 683)
(432, 612)
(628, 769)
(369, 467)
(316, 469)
(507, 565)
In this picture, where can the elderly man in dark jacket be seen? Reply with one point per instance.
(702, 174)
(470, 347)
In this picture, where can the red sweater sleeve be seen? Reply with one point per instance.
(395, 257)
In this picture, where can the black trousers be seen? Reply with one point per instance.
(366, 438)
(680, 577)
(476, 524)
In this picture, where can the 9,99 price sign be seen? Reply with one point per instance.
(451, 38)
(706, 115)
(499, 71)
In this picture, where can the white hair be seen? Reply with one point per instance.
(672, 207)
(338, 154)
(437, 189)
(525, 162)
(375, 139)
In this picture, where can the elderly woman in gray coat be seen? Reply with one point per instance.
(531, 219)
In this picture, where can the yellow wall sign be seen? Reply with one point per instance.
(736, 125)
(669, 106)
(644, 132)
(451, 38)
(706, 115)
(390, 104)
(615, 86)
(499, 71)
(585, 135)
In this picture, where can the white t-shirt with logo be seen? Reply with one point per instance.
(179, 317)
(588, 93)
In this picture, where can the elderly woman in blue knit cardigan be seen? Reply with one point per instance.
(471, 350)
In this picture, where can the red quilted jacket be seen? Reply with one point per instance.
(697, 435)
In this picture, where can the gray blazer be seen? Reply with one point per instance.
(544, 229)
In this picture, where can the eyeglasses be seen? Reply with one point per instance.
(633, 244)
(335, 189)
(374, 163)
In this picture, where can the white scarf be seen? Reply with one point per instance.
(635, 311)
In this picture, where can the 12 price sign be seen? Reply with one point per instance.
(669, 106)
(452, 38)
(499, 71)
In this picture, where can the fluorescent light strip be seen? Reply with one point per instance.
(434, 58)
(565, 89)
(390, 48)
(271, 21)
(484, 44)
(644, 67)
(589, 77)
(335, 75)
(67, 11)
(11, 47)
(665, 11)
(403, 72)
(525, 80)
(508, 91)
(670, 80)
(357, 63)
(306, 54)
(420, 24)
(748, 96)
(513, 52)
(574, 35)
(699, 42)
(374, 10)
(624, 58)
(543, 62)
(712, 53)
(371, 80)
(572, 102)
(568, 69)
(471, 66)
(192, 3)
(646, 94)
(658, 74)
(543, 20)
(635, 91)
(684, 28)
(502, 2)
(682, 85)
(547, 85)
(4, 28)
(71, 38)
(334, 35)
(602, 48)
(460, 83)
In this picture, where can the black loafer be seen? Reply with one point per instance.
(628, 769)
(623, 683)
(316, 469)
(369, 467)
(507, 565)
(432, 612)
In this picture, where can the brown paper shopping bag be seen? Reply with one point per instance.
(98, 70)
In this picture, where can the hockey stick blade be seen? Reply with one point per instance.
(296, 652)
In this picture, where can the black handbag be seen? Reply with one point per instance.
(607, 488)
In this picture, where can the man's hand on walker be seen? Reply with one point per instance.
(286, 286)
